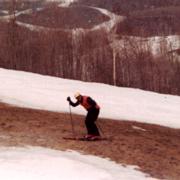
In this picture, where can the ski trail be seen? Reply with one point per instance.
(108, 25)
(66, 3)
(8, 17)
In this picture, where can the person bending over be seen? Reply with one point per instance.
(93, 110)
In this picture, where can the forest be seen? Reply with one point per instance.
(87, 57)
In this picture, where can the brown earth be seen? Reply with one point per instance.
(156, 149)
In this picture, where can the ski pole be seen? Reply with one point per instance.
(99, 127)
(72, 124)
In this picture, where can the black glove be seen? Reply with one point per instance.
(68, 98)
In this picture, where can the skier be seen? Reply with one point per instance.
(92, 114)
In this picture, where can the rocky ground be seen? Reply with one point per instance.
(155, 149)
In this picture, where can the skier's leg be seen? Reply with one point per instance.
(90, 122)
(94, 118)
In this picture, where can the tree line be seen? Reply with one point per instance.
(87, 56)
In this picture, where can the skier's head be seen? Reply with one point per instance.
(77, 95)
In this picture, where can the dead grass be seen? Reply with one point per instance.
(156, 150)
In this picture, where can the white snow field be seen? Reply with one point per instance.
(36, 163)
(49, 93)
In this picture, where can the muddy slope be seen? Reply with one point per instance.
(155, 149)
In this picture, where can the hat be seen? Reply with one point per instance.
(77, 94)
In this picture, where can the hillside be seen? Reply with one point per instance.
(154, 149)
(126, 7)
(159, 21)
(144, 17)
(125, 54)
(22, 5)
(140, 143)
(161, 16)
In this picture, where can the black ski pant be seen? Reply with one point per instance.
(91, 117)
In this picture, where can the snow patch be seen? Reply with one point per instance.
(35, 163)
(138, 128)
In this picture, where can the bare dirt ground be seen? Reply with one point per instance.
(155, 149)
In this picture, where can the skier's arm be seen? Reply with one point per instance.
(72, 103)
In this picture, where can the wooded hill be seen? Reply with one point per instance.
(144, 17)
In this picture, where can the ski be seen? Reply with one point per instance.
(85, 139)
